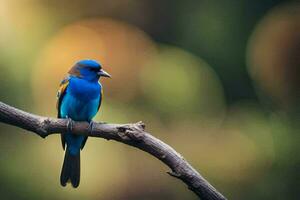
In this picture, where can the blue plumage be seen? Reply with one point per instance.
(90, 63)
(79, 99)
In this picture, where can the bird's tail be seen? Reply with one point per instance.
(71, 169)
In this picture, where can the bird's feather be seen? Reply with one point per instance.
(100, 100)
(70, 170)
(60, 94)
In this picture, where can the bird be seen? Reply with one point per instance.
(78, 99)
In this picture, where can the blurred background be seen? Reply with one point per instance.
(218, 81)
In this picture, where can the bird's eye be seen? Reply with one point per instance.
(93, 69)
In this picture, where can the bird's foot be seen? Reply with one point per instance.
(91, 126)
(70, 124)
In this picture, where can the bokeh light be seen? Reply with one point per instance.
(179, 85)
(274, 55)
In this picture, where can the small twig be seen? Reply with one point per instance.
(130, 134)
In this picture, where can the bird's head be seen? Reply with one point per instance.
(88, 69)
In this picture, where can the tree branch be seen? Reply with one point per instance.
(130, 134)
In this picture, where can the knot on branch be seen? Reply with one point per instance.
(132, 131)
(42, 128)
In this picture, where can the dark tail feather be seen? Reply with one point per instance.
(71, 169)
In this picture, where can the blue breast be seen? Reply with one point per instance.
(81, 100)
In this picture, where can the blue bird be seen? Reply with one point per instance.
(79, 98)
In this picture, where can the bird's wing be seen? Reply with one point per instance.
(60, 94)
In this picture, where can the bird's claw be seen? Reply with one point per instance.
(91, 126)
(70, 124)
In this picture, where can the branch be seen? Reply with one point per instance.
(130, 134)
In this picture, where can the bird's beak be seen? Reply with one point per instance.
(104, 73)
